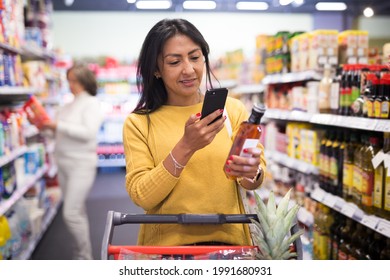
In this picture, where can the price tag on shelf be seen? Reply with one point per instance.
(348, 210)
(370, 221)
(318, 195)
(384, 228)
(383, 125)
(330, 200)
(378, 158)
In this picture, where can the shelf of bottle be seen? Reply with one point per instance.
(330, 120)
(296, 164)
(352, 211)
(248, 89)
(118, 162)
(30, 180)
(292, 77)
(49, 217)
(12, 155)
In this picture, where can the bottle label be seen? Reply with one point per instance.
(385, 110)
(357, 178)
(334, 96)
(378, 187)
(377, 109)
(367, 187)
(249, 143)
(387, 192)
(370, 109)
(333, 170)
(347, 174)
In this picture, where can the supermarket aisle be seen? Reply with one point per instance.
(108, 193)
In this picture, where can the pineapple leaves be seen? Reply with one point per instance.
(273, 227)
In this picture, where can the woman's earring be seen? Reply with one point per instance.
(157, 76)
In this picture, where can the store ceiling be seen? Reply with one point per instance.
(355, 7)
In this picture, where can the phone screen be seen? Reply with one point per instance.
(214, 99)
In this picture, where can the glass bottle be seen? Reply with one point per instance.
(348, 162)
(385, 253)
(385, 105)
(248, 135)
(357, 240)
(334, 163)
(368, 173)
(376, 246)
(324, 90)
(357, 173)
(333, 234)
(345, 240)
(379, 180)
(335, 92)
(386, 192)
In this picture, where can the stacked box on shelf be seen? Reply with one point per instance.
(353, 47)
(323, 48)
(260, 57)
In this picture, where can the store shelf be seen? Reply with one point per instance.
(9, 49)
(292, 163)
(285, 115)
(292, 77)
(29, 52)
(112, 163)
(248, 89)
(48, 218)
(5, 205)
(352, 211)
(13, 155)
(330, 120)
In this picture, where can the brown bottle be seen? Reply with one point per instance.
(379, 181)
(345, 241)
(248, 135)
(385, 253)
(368, 174)
(348, 162)
(357, 240)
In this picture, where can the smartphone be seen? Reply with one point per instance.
(214, 99)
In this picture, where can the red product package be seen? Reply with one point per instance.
(36, 113)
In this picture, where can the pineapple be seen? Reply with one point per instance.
(271, 234)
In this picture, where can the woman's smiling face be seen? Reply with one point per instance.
(181, 67)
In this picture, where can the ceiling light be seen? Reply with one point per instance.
(257, 6)
(199, 5)
(368, 12)
(68, 2)
(331, 6)
(131, 1)
(153, 5)
(285, 2)
(297, 3)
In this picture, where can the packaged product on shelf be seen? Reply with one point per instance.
(9, 179)
(353, 47)
(5, 236)
(36, 113)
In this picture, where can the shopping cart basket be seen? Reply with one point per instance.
(109, 251)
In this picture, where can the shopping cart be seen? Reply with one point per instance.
(114, 219)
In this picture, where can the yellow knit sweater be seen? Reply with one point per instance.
(202, 187)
